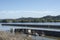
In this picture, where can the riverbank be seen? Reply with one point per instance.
(10, 36)
(20, 36)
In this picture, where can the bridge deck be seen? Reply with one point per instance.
(46, 29)
(37, 25)
(45, 23)
(26, 26)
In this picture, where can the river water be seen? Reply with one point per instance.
(41, 38)
(5, 28)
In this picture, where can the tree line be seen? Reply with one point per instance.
(42, 19)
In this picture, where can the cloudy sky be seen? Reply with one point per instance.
(28, 8)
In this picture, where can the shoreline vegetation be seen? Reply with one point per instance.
(9, 36)
(31, 19)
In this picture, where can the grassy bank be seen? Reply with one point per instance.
(9, 36)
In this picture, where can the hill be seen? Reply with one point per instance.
(30, 19)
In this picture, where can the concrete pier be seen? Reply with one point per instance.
(29, 31)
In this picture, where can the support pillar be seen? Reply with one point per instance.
(13, 31)
(43, 34)
(29, 31)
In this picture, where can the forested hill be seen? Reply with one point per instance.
(52, 17)
(30, 19)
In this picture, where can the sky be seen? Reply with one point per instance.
(28, 8)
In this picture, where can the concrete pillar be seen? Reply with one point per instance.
(13, 31)
(29, 31)
(43, 34)
(23, 31)
(36, 34)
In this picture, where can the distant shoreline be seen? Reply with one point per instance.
(30, 19)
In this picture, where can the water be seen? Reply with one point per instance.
(40, 37)
(6, 28)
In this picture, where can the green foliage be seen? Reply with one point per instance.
(43, 19)
(5, 21)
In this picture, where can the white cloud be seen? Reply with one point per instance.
(19, 13)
